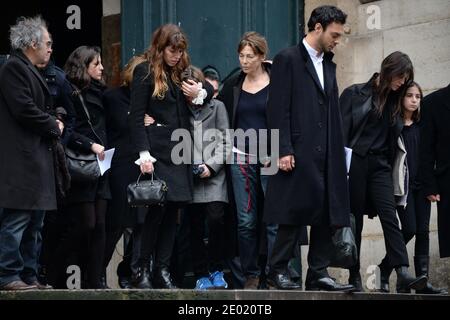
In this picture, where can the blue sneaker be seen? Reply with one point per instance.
(204, 284)
(218, 281)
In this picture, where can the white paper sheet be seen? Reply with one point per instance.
(105, 165)
(236, 150)
(348, 158)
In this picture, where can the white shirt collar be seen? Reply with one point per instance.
(312, 52)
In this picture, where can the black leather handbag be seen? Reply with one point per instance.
(147, 193)
(83, 167)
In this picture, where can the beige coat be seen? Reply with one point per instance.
(400, 174)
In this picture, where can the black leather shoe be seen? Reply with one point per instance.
(282, 281)
(141, 279)
(355, 280)
(405, 281)
(328, 284)
(125, 283)
(421, 264)
(385, 274)
(163, 280)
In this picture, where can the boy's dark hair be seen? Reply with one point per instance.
(326, 15)
(211, 72)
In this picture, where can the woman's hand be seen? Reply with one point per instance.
(148, 121)
(147, 167)
(99, 150)
(191, 88)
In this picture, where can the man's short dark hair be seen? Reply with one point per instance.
(326, 15)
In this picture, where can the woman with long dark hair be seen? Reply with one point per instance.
(86, 200)
(157, 90)
(372, 124)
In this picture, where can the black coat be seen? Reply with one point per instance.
(170, 113)
(356, 102)
(123, 170)
(83, 137)
(27, 178)
(309, 123)
(434, 172)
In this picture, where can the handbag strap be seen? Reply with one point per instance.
(141, 174)
(80, 96)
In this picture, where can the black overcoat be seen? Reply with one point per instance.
(310, 127)
(434, 172)
(170, 113)
(27, 178)
(123, 170)
(82, 139)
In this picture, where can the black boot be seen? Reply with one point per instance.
(421, 264)
(405, 281)
(385, 274)
(141, 279)
(355, 280)
(163, 280)
(103, 284)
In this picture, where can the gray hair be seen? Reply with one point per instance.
(26, 31)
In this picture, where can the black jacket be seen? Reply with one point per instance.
(356, 103)
(83, 137)
(309, 123)
(27, 178)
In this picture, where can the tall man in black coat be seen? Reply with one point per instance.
(27, 176)
(311, 186)
(435, 160)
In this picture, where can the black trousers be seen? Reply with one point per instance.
(319, 255)
(209, 258)
(415, 219)
(155, 237)
(371, 183)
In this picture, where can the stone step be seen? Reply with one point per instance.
(206, 295)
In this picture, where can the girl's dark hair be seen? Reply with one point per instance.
(416, 114)
(397, 64)
(77, 65)
(325, 15)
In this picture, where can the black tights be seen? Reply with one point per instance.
(87, 237)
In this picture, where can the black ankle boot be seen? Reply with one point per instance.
(421, 264)
(385, 274)
(163, 280)
(141, 279)
(355, 280)
(406, 281)
(103, 284)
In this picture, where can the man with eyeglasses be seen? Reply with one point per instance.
(27, 135)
